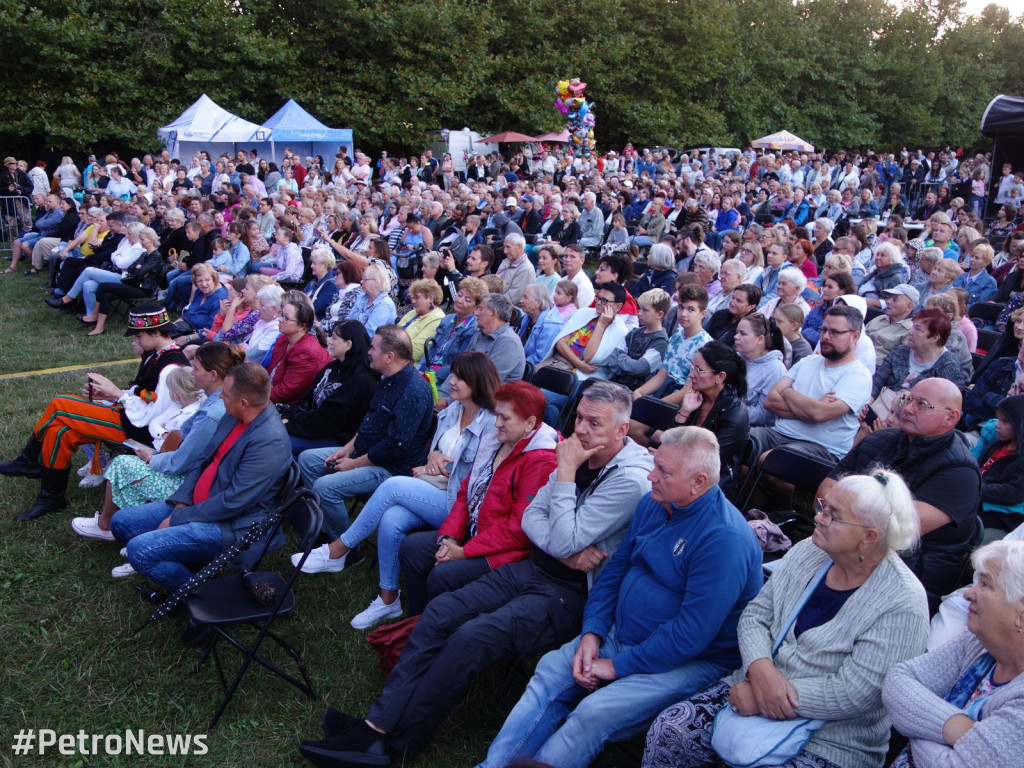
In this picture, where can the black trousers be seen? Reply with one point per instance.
(107, 292)
(518, 610)
(424, 580)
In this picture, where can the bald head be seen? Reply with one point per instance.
(934, 408)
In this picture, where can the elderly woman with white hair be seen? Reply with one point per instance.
(889, 272)
(706, 264)
(839, 611)
(791, 284)
(321, 288)
(660, 272)
(963, 704)
(542, 324)
(821, 233)
(374, 307)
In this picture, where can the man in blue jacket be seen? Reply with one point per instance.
(660, 622)
(238, 483)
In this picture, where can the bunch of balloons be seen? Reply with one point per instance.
(570, 102)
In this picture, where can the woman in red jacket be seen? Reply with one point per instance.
(298, 355)
(483, 532)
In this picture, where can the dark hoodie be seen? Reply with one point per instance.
(1002, 482)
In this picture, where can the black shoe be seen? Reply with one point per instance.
(151, 594)
(22, 466)
(360, 745)
(334, 722)
(56, 302)
(52, 485)
(195, 634)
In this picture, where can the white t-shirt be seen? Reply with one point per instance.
(585, 290)
(851, 383)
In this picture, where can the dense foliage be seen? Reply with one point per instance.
(97, 74)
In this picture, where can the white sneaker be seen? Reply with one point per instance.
(91, 481)
(90, 528)
(377, 612)
(125, 569)
(83, 470)
(320, 561)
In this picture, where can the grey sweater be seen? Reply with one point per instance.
(763, 373)
(914, 692)
(838, 667)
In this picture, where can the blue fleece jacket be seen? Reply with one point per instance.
(676, 586)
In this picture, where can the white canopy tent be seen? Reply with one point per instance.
(207, 125)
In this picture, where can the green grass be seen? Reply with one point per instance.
(67, 661)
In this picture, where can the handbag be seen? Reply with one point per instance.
(748, 742)
(389, 642)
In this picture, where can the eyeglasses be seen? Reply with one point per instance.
(828, 516)
(922, 404)
(832, 332)
(604, 302)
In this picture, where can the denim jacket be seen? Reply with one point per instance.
(483, 421)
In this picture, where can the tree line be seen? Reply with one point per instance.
(98, 74)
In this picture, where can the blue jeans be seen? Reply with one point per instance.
(535, 727)
(300, 444)
(88, 282)
(159, 555)
(399, 505)
(335, 487)
(179, 290)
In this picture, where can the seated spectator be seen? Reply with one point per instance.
(496, 339)
(549, 266)
(483, 530)
(752, 255)
(328, 413)
(998, 452)
(572, 260)
(402, 503)
(890, 330)
(937, 465)
(239, 312)
(977, 281)
(287, 263)
(652, 224)
(668, 382)
(576, 521)
(730, 274)
(789, 287)
(957, 343)
(456, 330)
(648, 616)
(817, 401)
(940, 279)
(138, 281)
(515, 269)
(866, 612)
(422, 320)
(347, 277)
(618, 268)
(789, 318)
(743, 302)
(923, 356)
(199, 314)
(887, 274)
(961, 703)
(236, 484)
(776, 259)
(759, 342)
(644, 347)
(706, 265)
(833, 286)
(713, 399)
(267, 328)
(298, 354)
(374, 308)
(542, 322)
(322, 287)
(803, 258)
(565, 297)
(391, 439)
(103, 413)
(960, 318)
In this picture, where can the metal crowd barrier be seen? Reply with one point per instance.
(15, 216)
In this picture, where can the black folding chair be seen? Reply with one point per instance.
(228, 600)
(985, 312)
(654, 412)
(987, 340)
(798, 469)
(557, 380)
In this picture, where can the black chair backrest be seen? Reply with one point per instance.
(987, 339)
(303, 513)
(654, 412)
(554, 379)
(528, 369)
(987, 311)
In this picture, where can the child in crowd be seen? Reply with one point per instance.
(1002, 469)
(645, 345)
(668, 382)
(566, 292)
(618, 238)
(221, 259)
(790, 319)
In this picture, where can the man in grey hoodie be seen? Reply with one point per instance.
(576, 521)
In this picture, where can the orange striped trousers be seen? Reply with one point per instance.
(69, 422)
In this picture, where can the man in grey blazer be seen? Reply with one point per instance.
(237, 483)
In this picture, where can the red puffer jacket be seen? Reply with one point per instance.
(499, 535)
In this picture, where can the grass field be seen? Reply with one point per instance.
(68, 664)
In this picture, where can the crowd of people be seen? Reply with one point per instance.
(383, 324)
